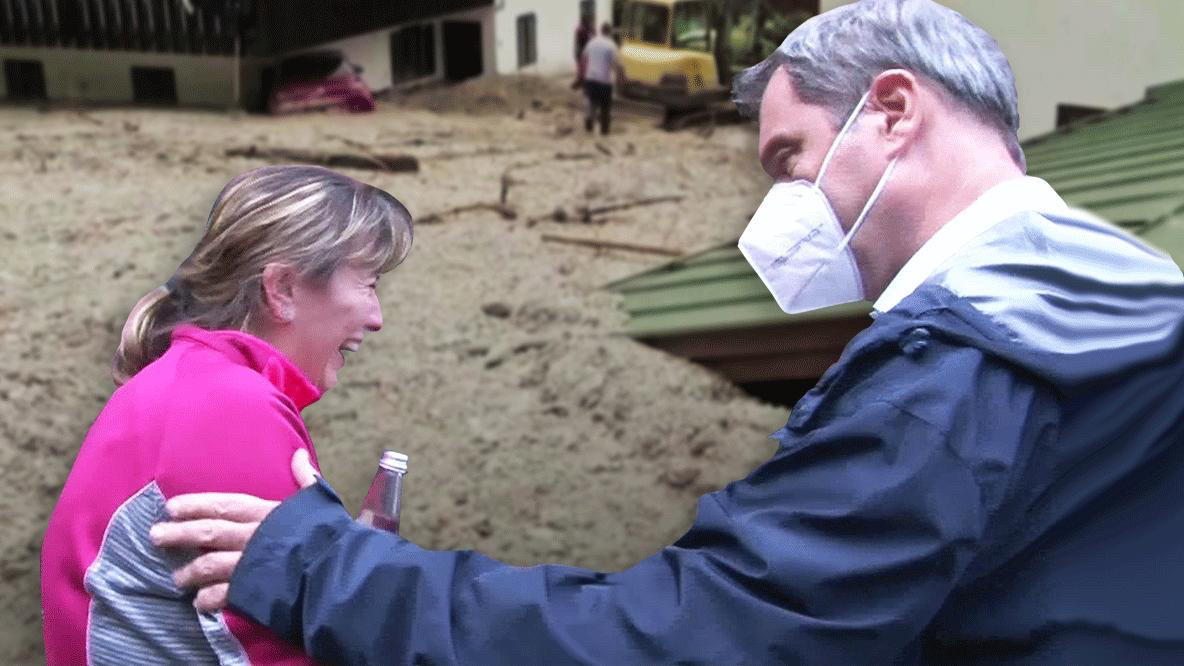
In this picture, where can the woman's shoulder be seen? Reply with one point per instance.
(192, 382)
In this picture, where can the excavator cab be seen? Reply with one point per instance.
(683, 53)
(668, 53)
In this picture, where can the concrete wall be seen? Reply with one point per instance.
(1089, 52)
(105, 76)
(372, 50)
(556, 22)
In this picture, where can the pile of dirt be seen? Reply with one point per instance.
(536, 431)
(493, 95)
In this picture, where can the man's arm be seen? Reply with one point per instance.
(840, 549)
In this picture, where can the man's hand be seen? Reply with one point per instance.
(220, 524)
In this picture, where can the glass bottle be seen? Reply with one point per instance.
(381, 506)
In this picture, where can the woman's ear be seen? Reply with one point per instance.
(279, 287)
(896, 93)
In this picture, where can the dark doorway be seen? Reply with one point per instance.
(25, 80)
(413, 52)
(462, 50)
(154, 85)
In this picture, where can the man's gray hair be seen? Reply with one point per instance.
(833, 57)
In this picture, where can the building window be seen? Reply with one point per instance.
(413, 52)
(24, 79)
(528, 48)
(647, 23)
(154, 85)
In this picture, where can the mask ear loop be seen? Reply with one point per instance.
(839, 138)
(867, 208)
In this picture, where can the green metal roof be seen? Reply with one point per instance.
(1126, 165)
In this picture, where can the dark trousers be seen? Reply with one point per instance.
(600, 104)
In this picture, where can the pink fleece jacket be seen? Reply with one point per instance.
(219, 411)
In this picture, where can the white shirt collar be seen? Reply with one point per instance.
(991, 207)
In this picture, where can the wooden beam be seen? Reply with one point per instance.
(612, 245)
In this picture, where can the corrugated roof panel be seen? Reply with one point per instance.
(1112, 128)
(731, 315)
(723, 253)
(1147, 202)
(1134, 213)
(668, 276)
(682, 296)
(1126, 166)
(1107, 158)
(1094, 179)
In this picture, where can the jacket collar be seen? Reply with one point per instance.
(993, 206)
(259, 355)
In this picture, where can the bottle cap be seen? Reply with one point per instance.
(393, 461)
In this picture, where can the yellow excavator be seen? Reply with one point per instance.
(682, 54)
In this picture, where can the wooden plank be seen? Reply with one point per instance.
(7, 22)
(55, 24)
(379, 162)
(164, 28)
(601, 244)
(36, 22)
(20, 23)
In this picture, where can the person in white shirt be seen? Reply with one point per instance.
(600, 62)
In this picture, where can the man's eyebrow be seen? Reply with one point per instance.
(777, 147)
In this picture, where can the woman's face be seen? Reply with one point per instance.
(330, 320)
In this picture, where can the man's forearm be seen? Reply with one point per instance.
(755, 578)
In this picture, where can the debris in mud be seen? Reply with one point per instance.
(373, 162)
(679, 478)
(497, 310)
(613, 245)
(507, 212)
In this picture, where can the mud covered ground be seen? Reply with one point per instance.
(536, 431)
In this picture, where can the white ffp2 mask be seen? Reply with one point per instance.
(796, 245)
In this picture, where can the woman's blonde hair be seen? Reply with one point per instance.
(307, 217)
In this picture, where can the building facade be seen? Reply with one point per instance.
(219, 53)
(1086, 53)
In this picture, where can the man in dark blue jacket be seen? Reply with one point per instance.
(993, 472)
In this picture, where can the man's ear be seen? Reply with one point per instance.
(279, 291)
(896, 95)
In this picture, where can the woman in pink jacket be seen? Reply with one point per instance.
(213, 371)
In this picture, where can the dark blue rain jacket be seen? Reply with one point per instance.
(992, 473)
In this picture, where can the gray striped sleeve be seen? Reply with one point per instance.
(137, 614)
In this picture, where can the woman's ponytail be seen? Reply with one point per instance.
(145, 334)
